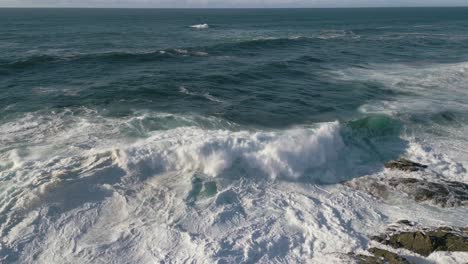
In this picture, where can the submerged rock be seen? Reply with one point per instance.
(201, 189)
(424, 241)
(405, 165)
(380, 256)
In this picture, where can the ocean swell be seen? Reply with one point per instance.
(109, 57)
(250, 43)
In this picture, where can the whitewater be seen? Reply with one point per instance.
(245, 141)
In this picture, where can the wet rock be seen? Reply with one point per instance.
(405, 222)
(425, 241)
(416, 238)
(381, 256)
(405, 165)
(442, 193)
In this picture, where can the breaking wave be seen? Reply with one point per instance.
(151, 144)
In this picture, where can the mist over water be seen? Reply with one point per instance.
(135, 136)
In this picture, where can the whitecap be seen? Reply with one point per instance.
(335, 34)
(184, 90)
(181, 51)
(200, 26)
(212, 98)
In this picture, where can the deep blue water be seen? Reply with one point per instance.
(254, 67)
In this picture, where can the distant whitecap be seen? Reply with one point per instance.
(200, 26)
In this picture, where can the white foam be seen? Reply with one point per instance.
(284, 153)
(434, 83)
(147, 221)
(334, 34)
(324, 35)
(78, 177)
(181, 51)
(448, 257)
(200, 26)
(181, 146)
(441, 163)
(184, 90)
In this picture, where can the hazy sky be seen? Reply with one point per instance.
(228, 3)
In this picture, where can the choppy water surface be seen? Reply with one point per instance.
(140, 136)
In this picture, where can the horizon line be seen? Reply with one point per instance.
(251, 7)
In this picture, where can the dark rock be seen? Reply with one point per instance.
(388, 256)
(415, 241)
(379, 238)
(405, 165)
(425, 242)
(406, 222)
(442, 193)
(381, 256)
(364, 259)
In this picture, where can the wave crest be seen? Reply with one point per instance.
(151, 144)
(277, 154)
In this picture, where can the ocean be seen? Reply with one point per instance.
(224, 135)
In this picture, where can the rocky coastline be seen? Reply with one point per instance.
(406, 234)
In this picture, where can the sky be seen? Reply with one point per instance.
(229, 3)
